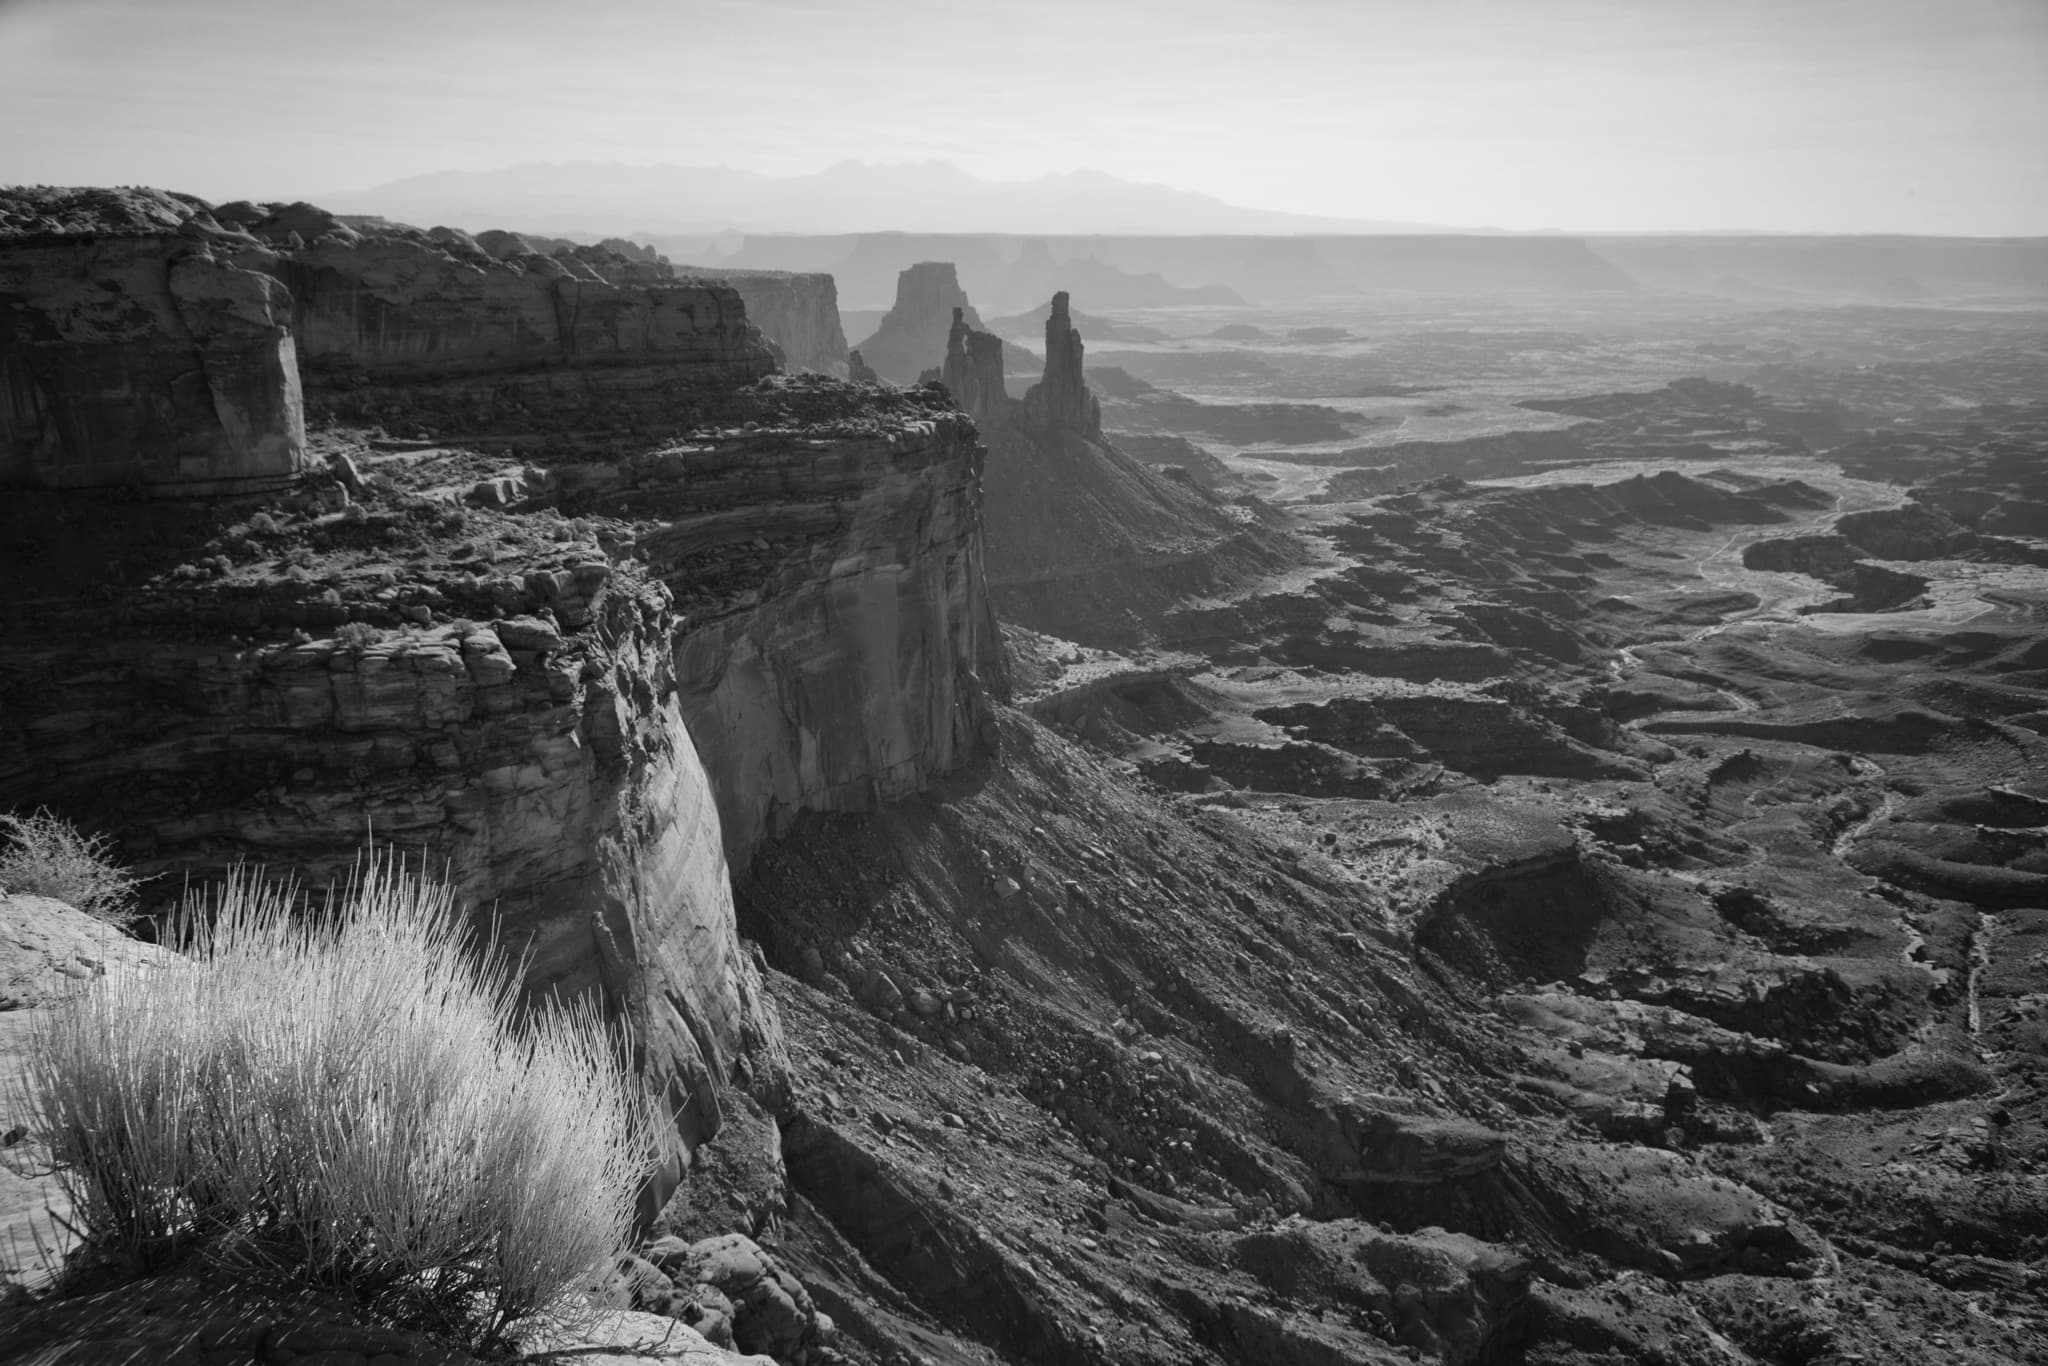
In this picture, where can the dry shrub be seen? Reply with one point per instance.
(46, 856)
(356, 636)
(351, 1098)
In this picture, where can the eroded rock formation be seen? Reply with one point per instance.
(575, 682)
(858, 666)
(1061, 400)
(912, 335)
(154, 339)
(143, 345)
(1083, 539)
(554, 783)
(973, 372)
(799, 312)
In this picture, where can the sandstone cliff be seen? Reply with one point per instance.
(555, 780)
(154, 339)
(839, 645)
(912, 336)
(791, 618)
(798, 312)
(580, 682)
(140, 345)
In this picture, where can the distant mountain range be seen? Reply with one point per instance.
(854, 196)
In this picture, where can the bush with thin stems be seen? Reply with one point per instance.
(352, 1097)
(45, 855)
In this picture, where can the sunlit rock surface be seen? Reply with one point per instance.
(156, 340)
(797, 311)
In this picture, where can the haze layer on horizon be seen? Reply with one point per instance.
(1588, 115)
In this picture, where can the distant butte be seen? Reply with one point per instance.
(912, 336)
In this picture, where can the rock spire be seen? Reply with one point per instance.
(1061, 400)
(973, 371)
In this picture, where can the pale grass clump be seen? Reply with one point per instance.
(45, 855)
(351, 1098)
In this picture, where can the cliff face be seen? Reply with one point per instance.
(400, 302)
(912, 336)
(153, 339)
(799, 313)
(141, 353)
(577, 682)
(788, 614)
(553, 781)
(839, 646)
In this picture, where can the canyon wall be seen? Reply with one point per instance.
(798, 312)
(838, 648)
(552, 780)
(578, 683)
(139, 353)
(153, 339)
(400, 301)
(800, 623)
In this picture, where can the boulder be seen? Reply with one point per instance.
(625, 1337)
(771, 1312)
(49, 950)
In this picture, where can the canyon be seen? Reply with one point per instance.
(1318, 831)
(519, 702)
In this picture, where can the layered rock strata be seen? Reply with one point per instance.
(157, 340)
(577, 718)
(549, 776)
(586, 761)
(839, 646)
(139, 349)
(798, 312)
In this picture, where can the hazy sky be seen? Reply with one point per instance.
(1855, 115)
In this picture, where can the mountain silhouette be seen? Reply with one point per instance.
(853, 196)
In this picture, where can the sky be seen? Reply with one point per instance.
(1923, 116)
